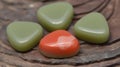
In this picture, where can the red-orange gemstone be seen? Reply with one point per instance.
(59, 44)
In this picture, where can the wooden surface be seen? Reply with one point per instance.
(90, 55)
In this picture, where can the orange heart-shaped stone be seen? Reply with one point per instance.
(59, 44)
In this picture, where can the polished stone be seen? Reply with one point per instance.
(24, 35)
(93, 28)
(59, 44)
(55, 16)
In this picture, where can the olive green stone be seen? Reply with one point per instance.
(24, 35)
(55, 16)
(92, 28)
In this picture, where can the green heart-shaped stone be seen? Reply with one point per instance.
(24, 35)
(92, 28)
(55, 16)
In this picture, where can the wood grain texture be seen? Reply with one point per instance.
(90, 55)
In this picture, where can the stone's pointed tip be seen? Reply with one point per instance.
(95, 13)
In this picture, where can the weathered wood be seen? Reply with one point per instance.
(88, 7)
(90, 55)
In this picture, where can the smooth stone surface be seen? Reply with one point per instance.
(59, 44)
(24, 35)
(55, 16)
(92, 28)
